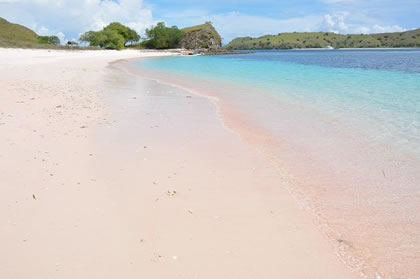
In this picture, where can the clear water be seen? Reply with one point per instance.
(347, 124)
(381, 88)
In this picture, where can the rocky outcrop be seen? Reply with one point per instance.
(202, 36)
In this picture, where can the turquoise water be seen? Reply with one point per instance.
(346, 130)
(375, 90)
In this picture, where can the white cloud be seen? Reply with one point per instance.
(61, 36)
(235, 24)
(382, 29)
(43, 31)
(68, 18)
(336, 22)
(341, 22)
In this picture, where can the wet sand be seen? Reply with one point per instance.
(108, 175)
(361, 194)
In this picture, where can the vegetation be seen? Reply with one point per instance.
(323, 40)
(16, 32)
(204, 36)
(162, 37)
(113, 36)
(15, 35)
(399, 39)
(52, 40)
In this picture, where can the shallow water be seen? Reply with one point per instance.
(344, 129)
(377, 90)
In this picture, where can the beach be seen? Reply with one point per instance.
(343, 135)
(108, 175)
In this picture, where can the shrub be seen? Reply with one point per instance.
(50, 40)
(162, 37)
(113, 36)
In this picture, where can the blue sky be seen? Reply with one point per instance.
(232, 18)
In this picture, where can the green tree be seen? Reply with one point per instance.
(129, 35)
(51, 40)
(113, 36)
(162, 37)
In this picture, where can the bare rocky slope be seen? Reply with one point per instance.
(202, 36)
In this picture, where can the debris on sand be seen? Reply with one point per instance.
(171, 193)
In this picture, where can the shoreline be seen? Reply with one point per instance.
(112, 176)
(304, 182)
(235, 122)
(321, 49)
(256, 137)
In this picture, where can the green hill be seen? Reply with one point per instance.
(399, 39)
(325, 39)
(15, 35)
(201, 36)
(10, 32)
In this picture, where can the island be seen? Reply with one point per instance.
(303, 40)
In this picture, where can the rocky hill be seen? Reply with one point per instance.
(202, 36)
(325, 39)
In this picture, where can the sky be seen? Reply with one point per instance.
(232, 18)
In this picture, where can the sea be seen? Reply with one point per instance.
(343, 129)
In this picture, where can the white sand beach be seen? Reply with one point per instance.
(107, 175)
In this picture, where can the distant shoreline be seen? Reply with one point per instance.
(323, 49)
(310, 40)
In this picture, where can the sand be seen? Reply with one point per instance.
(107, 175)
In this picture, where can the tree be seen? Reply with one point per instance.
(113, 36)
(92, 37)
(129, 35)
(162, 37)
(51, 40)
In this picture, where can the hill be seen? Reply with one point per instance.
(325, 39)
(201, 36)
(15, 35)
